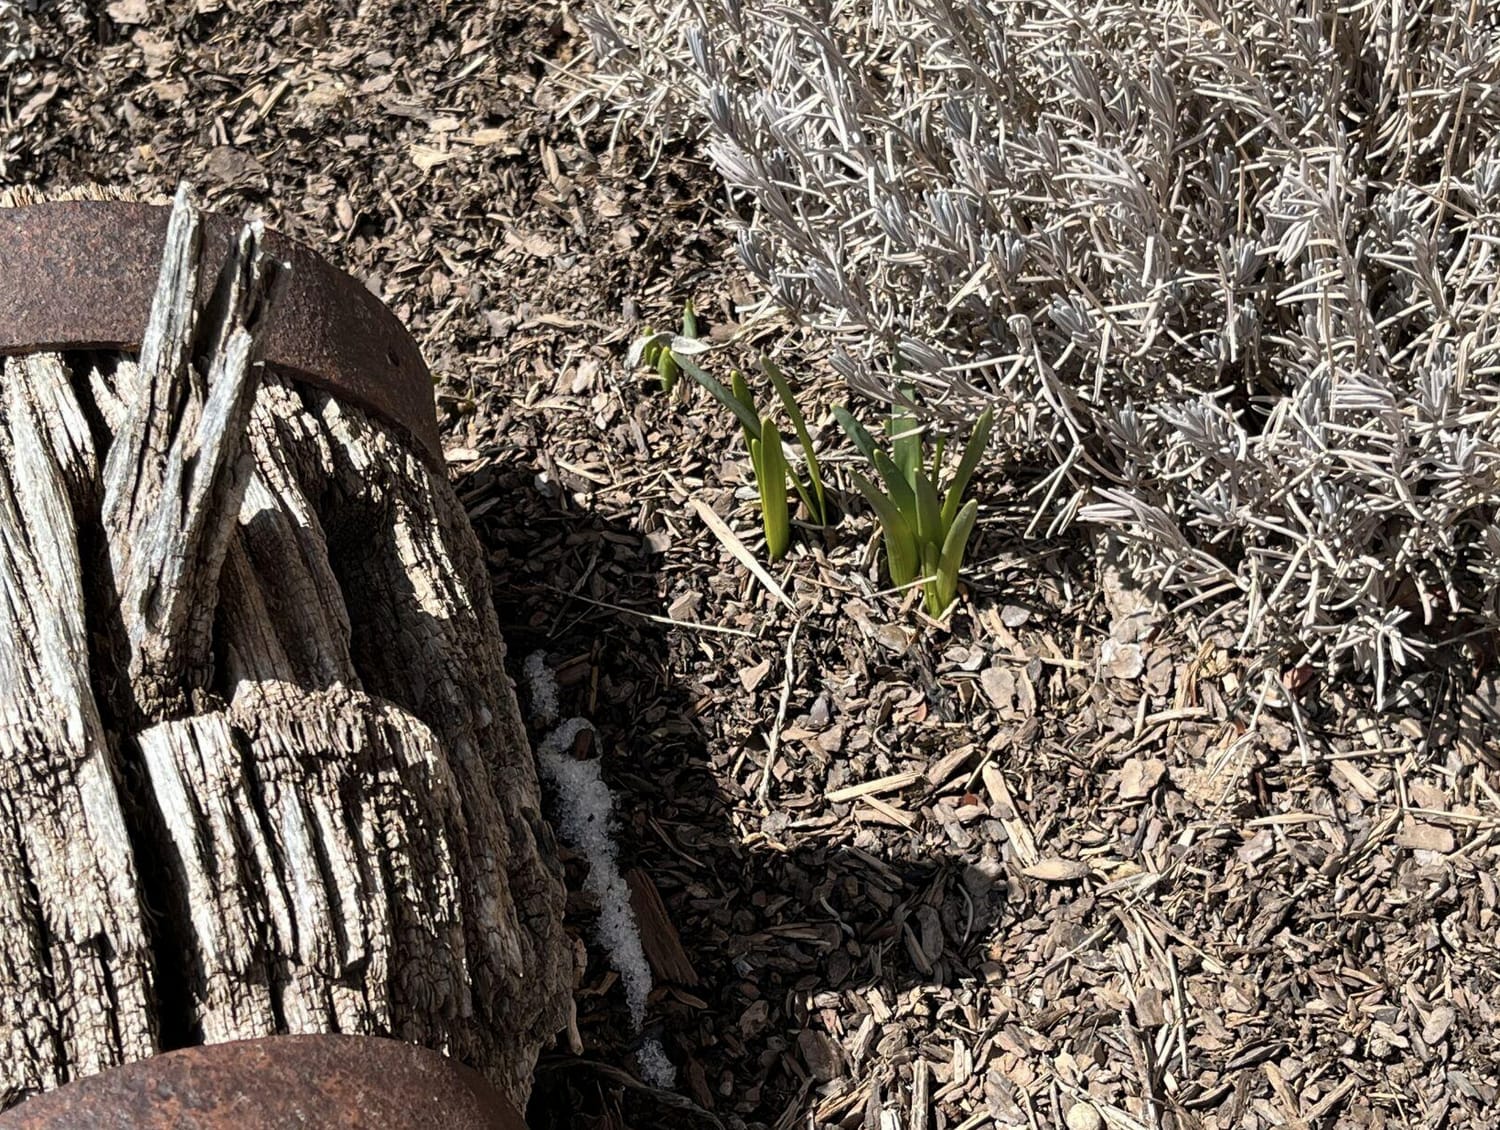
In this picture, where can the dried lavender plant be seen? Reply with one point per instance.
(1230, 266)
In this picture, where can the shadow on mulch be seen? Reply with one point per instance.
(765, 929)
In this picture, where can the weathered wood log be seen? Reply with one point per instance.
(261, 768)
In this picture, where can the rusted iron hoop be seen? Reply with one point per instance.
(79, 274)
(350, 1082)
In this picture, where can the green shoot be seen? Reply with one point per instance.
(812, 495)
(900, 539)
(667, 369)
(743, 409)
(906, 442)
(926, 533)
(768, 451)
(742, 394)
(769, 460)
(655, 352)
(670, 356)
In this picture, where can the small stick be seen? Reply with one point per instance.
(773, 741)
(737, 549)
(655, 619)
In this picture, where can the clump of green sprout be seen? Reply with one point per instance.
(655, 349)
(763, 438)
(767, 450)
(925, 535)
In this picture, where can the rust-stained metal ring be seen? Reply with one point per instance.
(350, 1082)
(80, 274)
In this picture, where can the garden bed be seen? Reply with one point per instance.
(1002, 866)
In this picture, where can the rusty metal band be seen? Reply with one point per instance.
(350, 1082)
(78, 275)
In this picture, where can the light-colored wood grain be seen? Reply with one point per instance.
(75, 963)
(261, 768)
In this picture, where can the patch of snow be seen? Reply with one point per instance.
(656, 1068)
(584, 818)
(542, 685)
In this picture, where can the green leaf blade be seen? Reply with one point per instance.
(667, 369)
(742, 393)
(775, 519)
(944, 586)
(973, 452)
(897, 486)
(746, 416)
(857, 432)
(900, 543)
(930, 530)
(816, 502)
(906, 443)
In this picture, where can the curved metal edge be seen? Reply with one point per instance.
(354, 1082)
(80, 275)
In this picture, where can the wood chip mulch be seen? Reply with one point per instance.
(1026, 869)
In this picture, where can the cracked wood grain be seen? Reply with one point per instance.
(252, 681)
(75, 971)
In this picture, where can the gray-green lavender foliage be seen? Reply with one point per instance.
(1231, 268)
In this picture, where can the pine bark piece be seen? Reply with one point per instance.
(305, 741)
(659, 938)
